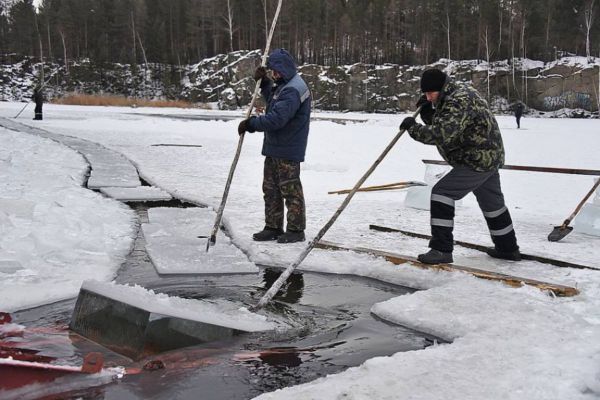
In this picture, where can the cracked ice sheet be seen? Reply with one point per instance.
(53, 232)
(109, 168)
(174, 247)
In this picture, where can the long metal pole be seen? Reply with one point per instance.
(22, 109)
(288, 271)
(213, 234)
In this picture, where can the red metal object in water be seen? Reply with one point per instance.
(15, 373)
(21, 354)
(5, 318)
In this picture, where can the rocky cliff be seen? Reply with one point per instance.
(568, 83)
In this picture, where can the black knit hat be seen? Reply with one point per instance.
(433, 80)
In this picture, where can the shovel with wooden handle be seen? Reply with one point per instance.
(563, 230)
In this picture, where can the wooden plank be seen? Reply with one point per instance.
(571, 171)
(479, 247)
(399, 259)
(389, 186)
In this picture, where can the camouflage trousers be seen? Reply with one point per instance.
(281, 182)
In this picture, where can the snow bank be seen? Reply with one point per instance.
(53, 232)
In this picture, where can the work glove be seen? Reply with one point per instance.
(407, 123)
(245, 126)
(260, 73)
(427, 110)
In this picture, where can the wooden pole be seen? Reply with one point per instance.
(388, 186)
(571, 171)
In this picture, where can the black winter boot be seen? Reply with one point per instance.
(267, 234)
(291, 237)
(434, 256)
(514, 255)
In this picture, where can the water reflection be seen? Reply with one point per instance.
(291, 291)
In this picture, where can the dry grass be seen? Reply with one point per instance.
(121, 101)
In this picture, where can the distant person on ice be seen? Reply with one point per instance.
(38, 98)
(460, 123)
(286, 125)
(518, 108)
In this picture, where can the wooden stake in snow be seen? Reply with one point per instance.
(288, 271)
(213, 235)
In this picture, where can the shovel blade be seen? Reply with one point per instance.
(559, 232)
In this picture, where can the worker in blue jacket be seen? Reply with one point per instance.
(285, 124)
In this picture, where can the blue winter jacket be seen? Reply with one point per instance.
(287, 118)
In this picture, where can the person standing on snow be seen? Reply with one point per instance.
(286, 125)
(460, 123)
(38, 98)
(518, 107)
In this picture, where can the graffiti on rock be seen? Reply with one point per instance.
(570, 100)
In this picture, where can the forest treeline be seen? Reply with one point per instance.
(326, 32)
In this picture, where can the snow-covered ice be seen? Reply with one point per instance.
(507, 343)
(110, 169)
(140, 193)
(53, 232)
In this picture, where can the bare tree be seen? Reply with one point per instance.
(447, 26)
(588, 17)
(143, 50)
(229, 21)
(550, 7)
(264, 2)
(523, 54)
(133, 50)
(64, 44)
(500, 15)
(487, 55)
(49, 41)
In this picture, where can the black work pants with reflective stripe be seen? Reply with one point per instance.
(455, 185)
(38, 110)
(281, 182)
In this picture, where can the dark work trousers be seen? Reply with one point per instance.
(518, 117)
(455, 185)
(281, 182)
(38, 110)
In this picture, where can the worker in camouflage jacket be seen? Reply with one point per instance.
(286, 126)
(460, 123)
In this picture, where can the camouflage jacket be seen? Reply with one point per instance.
(464, 129)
